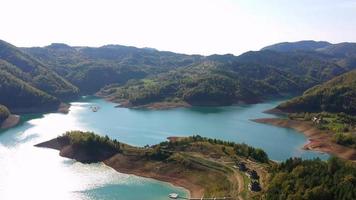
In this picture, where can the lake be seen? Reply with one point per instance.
(28, 172)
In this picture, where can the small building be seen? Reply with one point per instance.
(254, 186)
(317, 120)
(253, 174)
(242, 166)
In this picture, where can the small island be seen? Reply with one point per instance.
(201, 165)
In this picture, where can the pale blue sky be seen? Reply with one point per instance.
(187, 26)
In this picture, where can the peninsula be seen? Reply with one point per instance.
(201, 165)
(325, 114)
(215, 168)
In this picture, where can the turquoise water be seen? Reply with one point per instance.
(28, 172)
(141, 127)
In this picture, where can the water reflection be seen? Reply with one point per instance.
(28, 172)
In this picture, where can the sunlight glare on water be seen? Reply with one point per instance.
(28, 172)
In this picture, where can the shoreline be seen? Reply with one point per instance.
(151, 106)
(166, 105)
(129, 165)
(193, 191)
(10, 122)
(155, 106)
(60, 108)
(318, 140)
(63, 108)
(14, 119)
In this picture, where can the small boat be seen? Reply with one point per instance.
(173, 196)
(94, 108)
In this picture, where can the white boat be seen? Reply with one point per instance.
(94, 108)
(173, 196)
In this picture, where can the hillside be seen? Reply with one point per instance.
(307, 45)
(342, 54)
(27, 85)
(204, 166)
(336, 95)
(312, 179)
(36, 73)
(92, 68)
(214, 168)
(19, 95)
(225, 80)
(258, 74)
(345, 49)
(138, 77)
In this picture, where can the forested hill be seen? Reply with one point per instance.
(312, 179)
(307, 45)
(27, 84)
(36, 73)
(336, 95)
(92, 68)
(227, 79)
(144, 75)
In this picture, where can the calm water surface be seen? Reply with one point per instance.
(28, 172)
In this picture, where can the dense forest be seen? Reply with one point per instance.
(336, 95)
(93, 68)
(26, 84)
(297, 179)
(228, 79)
(139, 76)
(34, 72)
(18, 95)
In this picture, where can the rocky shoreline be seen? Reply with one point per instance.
(318, 140)
(11, 121)
(130, 165)
(61, 108)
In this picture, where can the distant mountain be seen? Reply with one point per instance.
(144, 75)
(314, 66)
(342, 54)
(227, 79)
(342, 49)
(336, 95)
(93, 68)
(306, 45)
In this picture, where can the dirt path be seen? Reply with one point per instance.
(241, 184)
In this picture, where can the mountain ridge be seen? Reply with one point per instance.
(61, 71)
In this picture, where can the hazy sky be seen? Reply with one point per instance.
(187, 26)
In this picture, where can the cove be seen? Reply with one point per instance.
(142, 126)
(28, 172)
